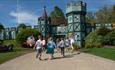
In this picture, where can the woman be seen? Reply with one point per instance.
(50, 48)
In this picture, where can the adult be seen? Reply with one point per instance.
(50, 48)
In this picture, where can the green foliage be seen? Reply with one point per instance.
(93, 40)
(103, 31)
(112, 17)
(57, 13)
(8, 42)
(75, 46)
(90, 18)
(21, 26)
(88, 45)
(57, 16)
(110, 37)
(1, 27)
(25, 33)
(104, 15)
(102, 36)
(1, 41)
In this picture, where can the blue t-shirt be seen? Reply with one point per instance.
(51, 44)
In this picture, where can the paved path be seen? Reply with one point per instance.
(70, 62)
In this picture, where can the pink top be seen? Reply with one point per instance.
(43, 42)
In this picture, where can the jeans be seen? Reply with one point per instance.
(62, 51)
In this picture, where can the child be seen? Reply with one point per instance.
(67, 44)
(43, 44)
(62, 47)
(38, 48)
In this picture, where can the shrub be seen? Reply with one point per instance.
(102, 36)
(75, 46)
(110, 37)
(1, 42)
(25, 33)
(103, 31)
(98, 45)
(93, 40)
(88, 45)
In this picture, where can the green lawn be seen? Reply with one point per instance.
(15, 53)
(102, 52)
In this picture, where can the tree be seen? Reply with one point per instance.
(1, 27)
(57, 16)
(21, 26)
(103, 31)
(103, 15)
(90, 18)
(93, 40)
(25, 33)
(113, 14)
(110, 37)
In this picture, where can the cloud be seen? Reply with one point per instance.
(24, 17)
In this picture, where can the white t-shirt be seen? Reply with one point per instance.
(71, 41)
(61, 43)
(38, 44)
(67, 42)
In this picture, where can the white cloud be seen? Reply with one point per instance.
(24, 17)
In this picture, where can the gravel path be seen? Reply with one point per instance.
(72, 61)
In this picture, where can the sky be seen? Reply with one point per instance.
(14, 12)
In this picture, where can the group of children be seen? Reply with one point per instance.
(41, 46)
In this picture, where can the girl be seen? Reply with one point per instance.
(62, 47)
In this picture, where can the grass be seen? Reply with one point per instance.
(102, 52)
(18, 51)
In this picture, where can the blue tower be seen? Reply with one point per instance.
(75, 13)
